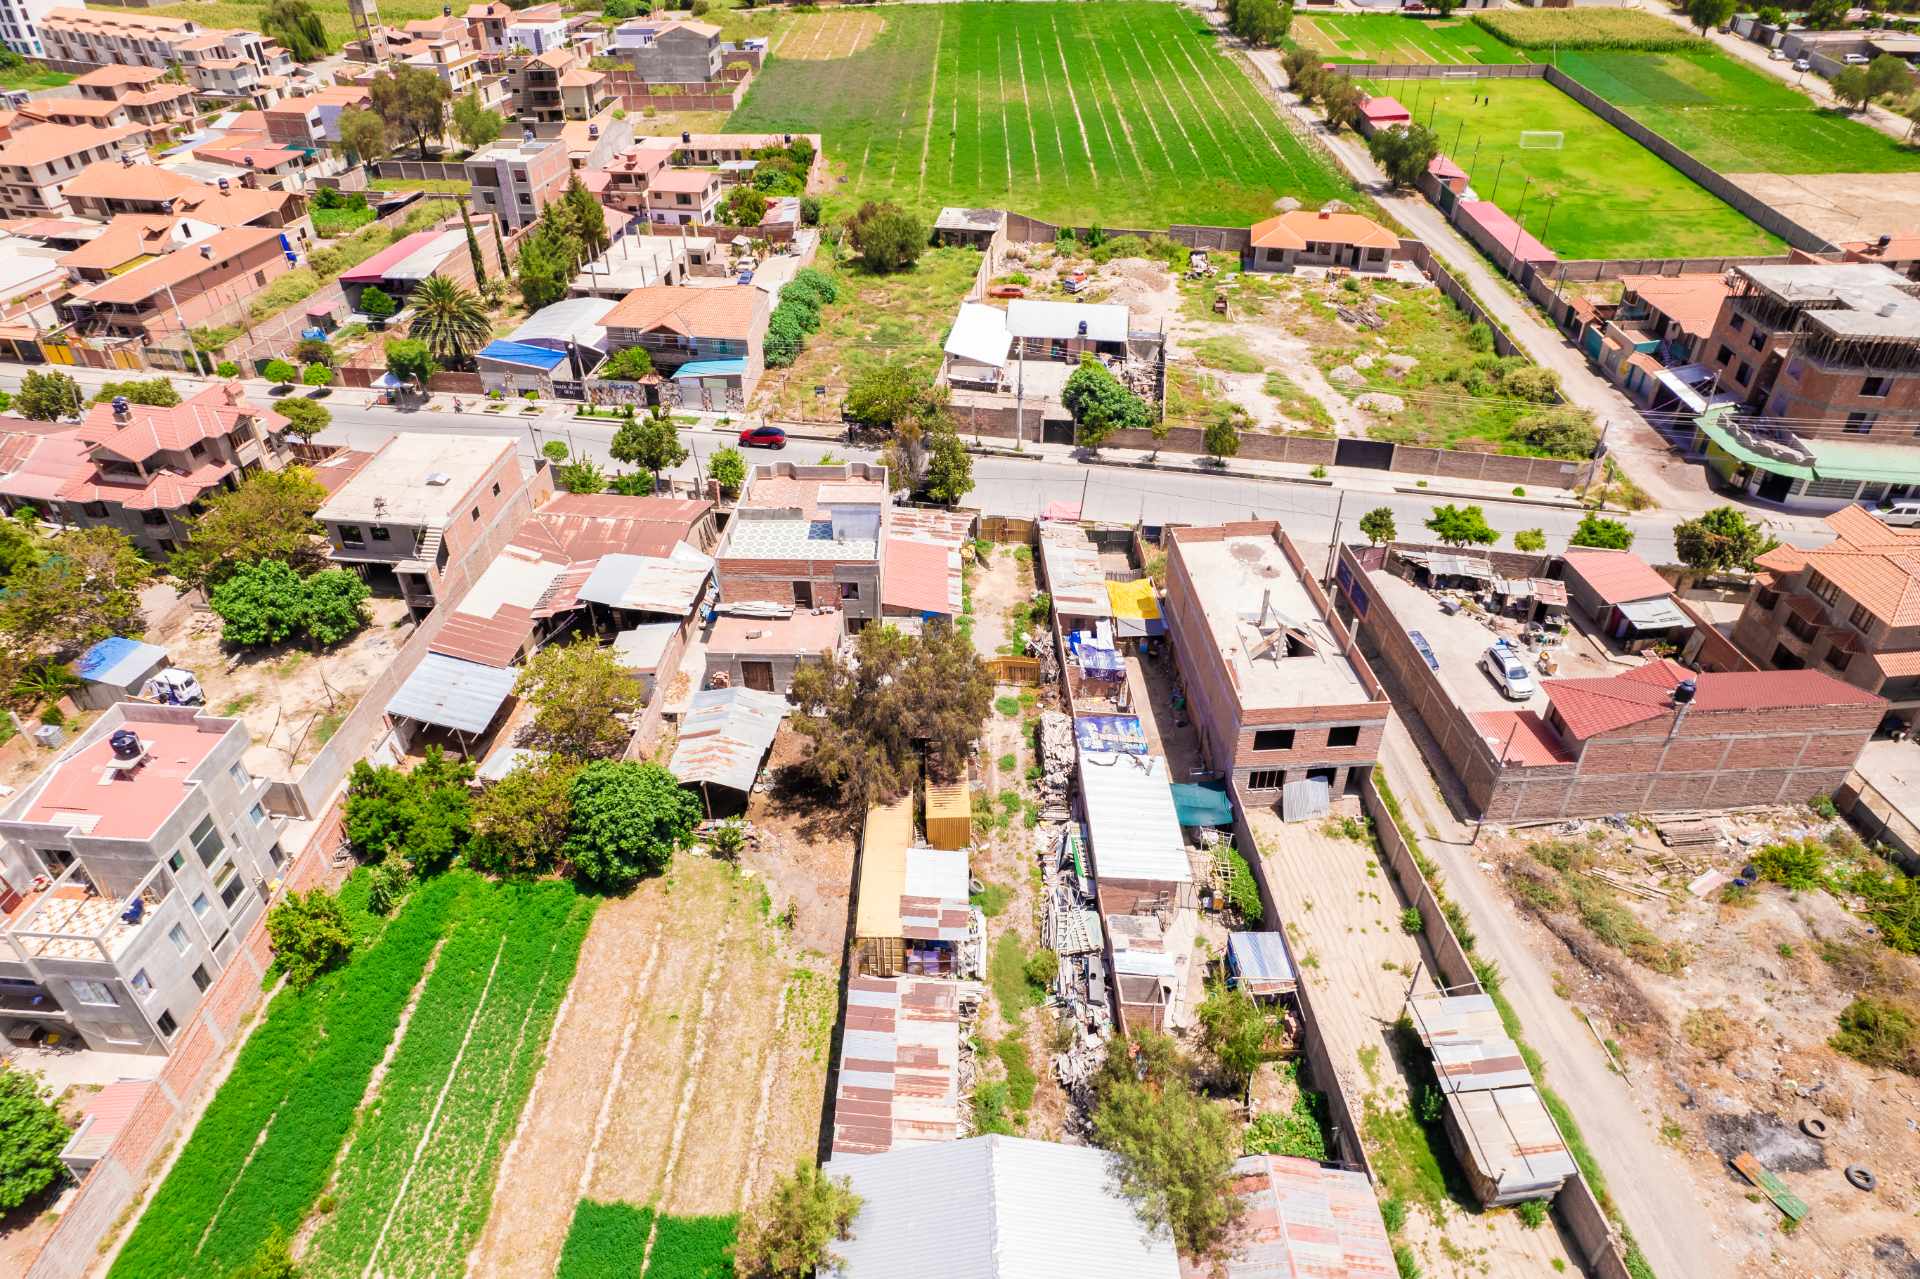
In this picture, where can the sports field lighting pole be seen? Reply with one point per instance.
(1549, 226)
(1501, 168)
(1518, 228)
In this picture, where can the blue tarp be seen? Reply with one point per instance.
(711, 368)
(118, 660)
(538, 357)
(1110, 733)
(1202, 804)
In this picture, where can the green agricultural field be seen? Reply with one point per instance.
(1121, 113)
(1601, 195)
(1386, 37)
(332, 13)
(33, 76)
(416, 1183)
(1736, 118)
(607, 1241)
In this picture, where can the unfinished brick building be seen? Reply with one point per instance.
(1654, 738)
(1278, 687)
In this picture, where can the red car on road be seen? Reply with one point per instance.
(763, 437)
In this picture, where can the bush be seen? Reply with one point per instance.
(317, 375)
(1880, 1032)
(888, 237)
(1043, 969)
(809, 282)
(31, 1136)
(279, 372)
(158, 392)
(309, 933)
(1560, 432)
(1796, 864)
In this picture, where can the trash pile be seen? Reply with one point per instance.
(1070, 926)
(1056, 765)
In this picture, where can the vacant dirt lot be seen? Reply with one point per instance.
(1719, 1012)
(686, 1068)
(291, 698)
(1840, 206)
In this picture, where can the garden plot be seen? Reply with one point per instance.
(1722, 1013)
(685, 1072)
(1390, 38)
(412, 1189)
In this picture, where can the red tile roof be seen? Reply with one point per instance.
(161, 491)
(1384, 109)
(149, 430)
(1302, 227)
(1617, 577)
(1521, 737)
(1590, 707)
(178, 267)
(1874, 564)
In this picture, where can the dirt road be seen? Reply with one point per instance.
(1647, 1180)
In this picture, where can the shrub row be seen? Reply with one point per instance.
(1585, 29)
(494, 989)
(299, 1079)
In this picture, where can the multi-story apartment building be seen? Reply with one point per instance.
(558, 85)
(149, 97)
(80, 39)
(514, 181)
(418, 506)
(90, 113)
(132, 868)
(666, 52)
(537, 29)
(702, 339)
(1825, 359)
(684, 197)
(1850, 608)
(20, 25)
(37, 163)
(161, 301)
(487, 26)
(313, 120)
(1278, 687)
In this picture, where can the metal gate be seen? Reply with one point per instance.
(1374, 454)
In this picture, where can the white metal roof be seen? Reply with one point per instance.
(1131, 821)
(1032, 318)
(980, 335)
(453, 693)
(995, 1208)
(642, 647)
(575, 319)
(650, 583)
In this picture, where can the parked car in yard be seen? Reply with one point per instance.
(1509, 672)
(763, 437)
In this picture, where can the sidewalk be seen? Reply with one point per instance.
(1676, 487)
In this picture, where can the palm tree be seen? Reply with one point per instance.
(450, 318)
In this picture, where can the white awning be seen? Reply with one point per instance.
(1653, 615)
(1679, 381)
(980, 335)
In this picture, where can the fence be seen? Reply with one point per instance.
(1021, 229)
(191, 1072)
(1006, 530)
(1024, 671)
(420, 170)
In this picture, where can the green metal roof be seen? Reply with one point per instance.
(1861, 460)
(1731, 445)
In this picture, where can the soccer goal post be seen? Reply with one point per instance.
(1542, 139)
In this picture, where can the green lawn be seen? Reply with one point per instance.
(1736, 118)
(32, 76)
(1385, 37)
(1123, 113)
(1601, 195)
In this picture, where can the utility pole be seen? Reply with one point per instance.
(1085, 479)
(1333, 539)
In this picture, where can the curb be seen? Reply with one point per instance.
(1567, 504)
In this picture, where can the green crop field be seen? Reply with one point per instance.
(1122, 113)
(1390, 38)
(416, 1183)
(1601, 195)
(607, 1241)
(1736, 118)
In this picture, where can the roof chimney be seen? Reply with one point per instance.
(122, 409)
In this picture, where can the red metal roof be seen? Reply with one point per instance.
(374, 269)
(1617, 577)
(915, 577)
(1521, 737)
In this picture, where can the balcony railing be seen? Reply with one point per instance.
(72, 920)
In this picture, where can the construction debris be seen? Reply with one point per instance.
(1688, 834)
(1364, 316)
(1792, 1206)
(1056, 763)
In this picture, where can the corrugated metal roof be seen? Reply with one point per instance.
(452, 693)
(1306, 1221)
(1131, 821)
(724, 735)
(1260, 963)
(650, 584)
(884, 840)
(1059, 321)
(502, 351)
(641, 648)
(118, 660)
(105, 1117)
(899, 1080)
(995, 1208)
(1074, 577)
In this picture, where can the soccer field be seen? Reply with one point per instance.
(1124, 114)
(1390, 38)
(1600, 195)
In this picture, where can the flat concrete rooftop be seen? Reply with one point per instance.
(1247, 588)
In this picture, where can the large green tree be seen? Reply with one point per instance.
(298, 29)
(84, 588)
(544, 270)
(887, 237)
(305, 418)
(266, 602)
(268, 517)
(450, 318)
(791, 1233)
(520, 822)
(474, 124)
(1707, 14)
(424, 815)
(1404, 151)
(412, 359)
(414, 100)
(628, 819)
(578, 692)
(48, 397)
(1173, 1150)
(1377, 525)
(628, 364)
(949, 466)
(31, 1136)
(363, 134)
(728, 468)
(589, 219)
(1236, 1032)
(1263, 23)
(309, 934)
(1461, 526)
(1101, 405)
(650, 442)
(1722, 540)
(900, 702)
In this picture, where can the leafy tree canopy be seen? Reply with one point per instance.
(309, 933)
(628, 819)
(84, 588)
(628, 364)
(414, 100)
(305, 418)
(1597, 530)
(728, 469)
(520, 823)
(1462, 526)
(887, 237)
(1101, 405)
(298, 29)
(425, 815)
(1722, 540)
(1404, 151)
(651, 442)
(31, 1136)
(156, 391)
(266, 602)
(579, 692)
(1377, 525)
(47, 397)
(268, 517)
(790, 1234)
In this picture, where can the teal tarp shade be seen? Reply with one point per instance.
(1202, 804)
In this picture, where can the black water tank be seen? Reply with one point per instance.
(125, 743)
(1684, 693)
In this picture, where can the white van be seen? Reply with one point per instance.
(1903, 513)
(1509, 672)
